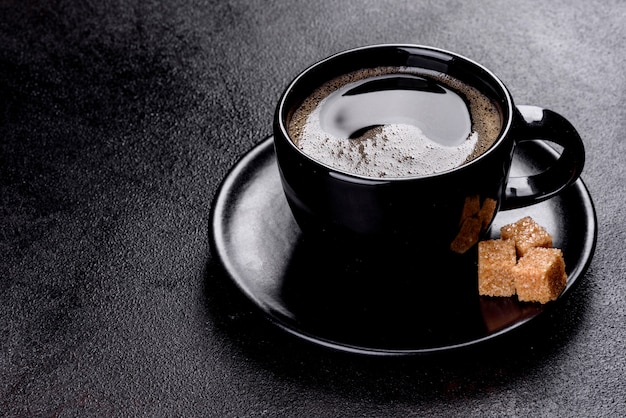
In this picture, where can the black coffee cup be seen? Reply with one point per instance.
(444, 212)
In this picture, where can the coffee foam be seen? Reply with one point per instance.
(392, 150)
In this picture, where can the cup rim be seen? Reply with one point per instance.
(506, 125)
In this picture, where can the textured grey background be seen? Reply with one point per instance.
(118, 121)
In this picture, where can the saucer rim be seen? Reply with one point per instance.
(219, 206)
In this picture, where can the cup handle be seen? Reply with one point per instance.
(537, 123)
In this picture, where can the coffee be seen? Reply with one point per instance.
(395, 122)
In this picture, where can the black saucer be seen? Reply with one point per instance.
(395, 307)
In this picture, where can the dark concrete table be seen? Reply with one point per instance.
(118, 122)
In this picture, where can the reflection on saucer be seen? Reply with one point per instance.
(499, 313)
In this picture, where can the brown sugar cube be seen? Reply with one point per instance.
(540, 275)
(527, 234)
(496, 259)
